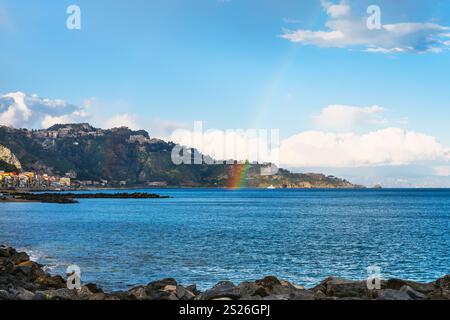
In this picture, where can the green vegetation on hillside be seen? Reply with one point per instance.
(121, 154)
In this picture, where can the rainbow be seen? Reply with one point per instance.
(239, 178)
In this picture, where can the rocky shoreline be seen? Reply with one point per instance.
(23, 279)
(70, 198)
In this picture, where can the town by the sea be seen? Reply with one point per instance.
(204, 236)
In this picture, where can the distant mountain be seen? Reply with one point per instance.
(121, 154)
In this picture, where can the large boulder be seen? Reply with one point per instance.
(60, 294)
(6, 252)
(224, 289)
(193, 288)
(390, 294)
(94, 288)
(166, 289)
(273, 288)
(443, 283)
(415, 295)
(138, 293)
(19, 257)
(441, 289)
(184, 294)
(397, 284)
(50, 282)
(342, 288)
(23, 294)
(5, 295)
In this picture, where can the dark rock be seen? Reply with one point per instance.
(224, 289)
(166, 289)
(84, 293)
(5, 295)
(6, 251)
(341, 288)
(157, 285)
(390, 294)
(415, 295)
(19, 257)
(442, 289)
(443, 283)
(397, 284)
(302, 295)
(46, 282)
(319, 295)
(184, 294)
(271, 286)
(60, 294)
(193, 288)
(94, 288)
(269, 283)
(116, 296)
(23, 294)
(23, 279)
(275, 297)
(98, 296)
(138, 293)
(251, 290)
(25, 270)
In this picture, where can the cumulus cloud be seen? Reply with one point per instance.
(20, 110)
(342, 117)
(344, 30)
(240, 145)
(31, 111)
(386, 147)
(336, 10)
(320, 149)
(122, 120)
(157, 127)
(308, 149)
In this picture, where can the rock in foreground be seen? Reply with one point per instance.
(22, 279)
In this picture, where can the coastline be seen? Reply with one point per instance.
(70, 198)
(23, 279)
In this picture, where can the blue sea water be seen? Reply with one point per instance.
(204, 236)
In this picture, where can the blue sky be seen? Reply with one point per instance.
(236, 64)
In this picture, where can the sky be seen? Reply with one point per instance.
(370, 105)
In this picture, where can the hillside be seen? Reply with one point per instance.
(122, 155)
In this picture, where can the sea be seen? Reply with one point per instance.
(203, 236)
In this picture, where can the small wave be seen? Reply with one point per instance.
(50, 264)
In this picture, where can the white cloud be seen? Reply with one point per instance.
(336, 10)
(157, 127)
(387, 147)
(344, 117)
(241, 145)
(122, 120)
(346, 31)
(20, 110)
(30, 111)
(318, 149)
(309, 149)
(163, 128)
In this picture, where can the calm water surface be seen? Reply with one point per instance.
(205, 236)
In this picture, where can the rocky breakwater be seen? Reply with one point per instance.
(22, 279)
(68, 198)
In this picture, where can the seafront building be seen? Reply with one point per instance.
(32, 180)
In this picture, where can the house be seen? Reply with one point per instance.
(64, 182)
